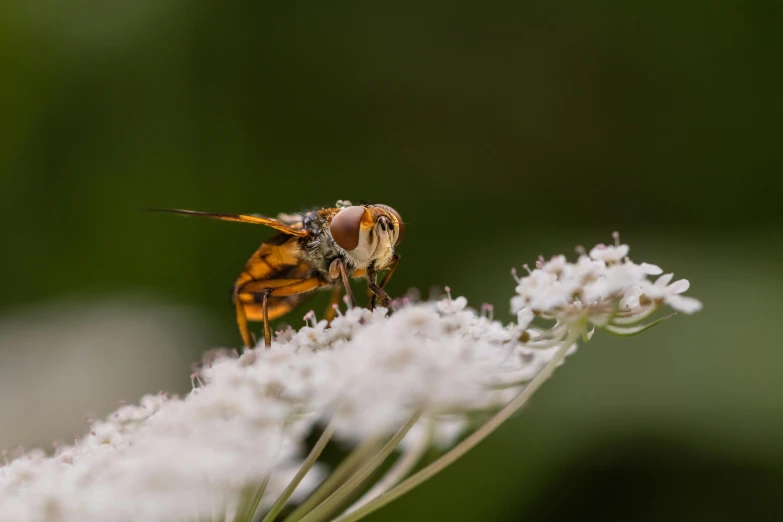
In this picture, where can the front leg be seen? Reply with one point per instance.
(390, 267)
(379, 295)
(378, 292)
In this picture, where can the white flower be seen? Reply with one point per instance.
(609, 254)
(370, 379)
(605, 288)
(555, 265)
(650, 269)
(670, 294)
(525, 317)
(631, 298)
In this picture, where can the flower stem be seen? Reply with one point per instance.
(249, 509)
(335, 478)
(338, 497)
(396, 473)
(468, 443)
(323, 440)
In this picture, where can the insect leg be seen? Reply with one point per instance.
(256, 286)
(250, 293)
(331, 311)
(391, 266)
(370, 294)
(346, 281)
(267, 329)
(247, 336)
(372, 283)
(378, 292)
(299, 287)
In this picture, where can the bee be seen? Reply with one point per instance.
(314, 250)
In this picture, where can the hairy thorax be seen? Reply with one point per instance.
(375, 249)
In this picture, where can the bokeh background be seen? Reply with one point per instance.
(499, 130)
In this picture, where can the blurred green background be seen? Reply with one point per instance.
(500, 131)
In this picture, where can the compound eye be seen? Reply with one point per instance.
(345, 227)
(400, 224)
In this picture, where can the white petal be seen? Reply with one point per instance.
(663, 281)
(650, 269)
(524, 318)
(597, 251)
(609, 254)
(679, 287)
(687, 305)
(517, 303)
(556, 264)
(630, 301)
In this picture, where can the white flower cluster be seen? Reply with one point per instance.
(426, 366)
(167, 459)
(603, 288)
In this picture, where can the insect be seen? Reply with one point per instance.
(318, 249)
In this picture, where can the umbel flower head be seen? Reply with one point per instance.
(391, 386)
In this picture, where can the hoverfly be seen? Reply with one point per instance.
(317, 249)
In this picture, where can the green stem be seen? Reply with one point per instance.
(323, 440)
(466, 444)
(248, 510)
(397, 472)
(335, 478)
(338, 497)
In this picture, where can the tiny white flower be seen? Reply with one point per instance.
(669, 294)
(609, 254)
(525, 317)
(651, 269)
(556, 264)
(631, 298)
(452, 306)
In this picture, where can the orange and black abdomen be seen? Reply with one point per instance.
(274, 265)
(276, 256)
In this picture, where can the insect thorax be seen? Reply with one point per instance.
(319, 250)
